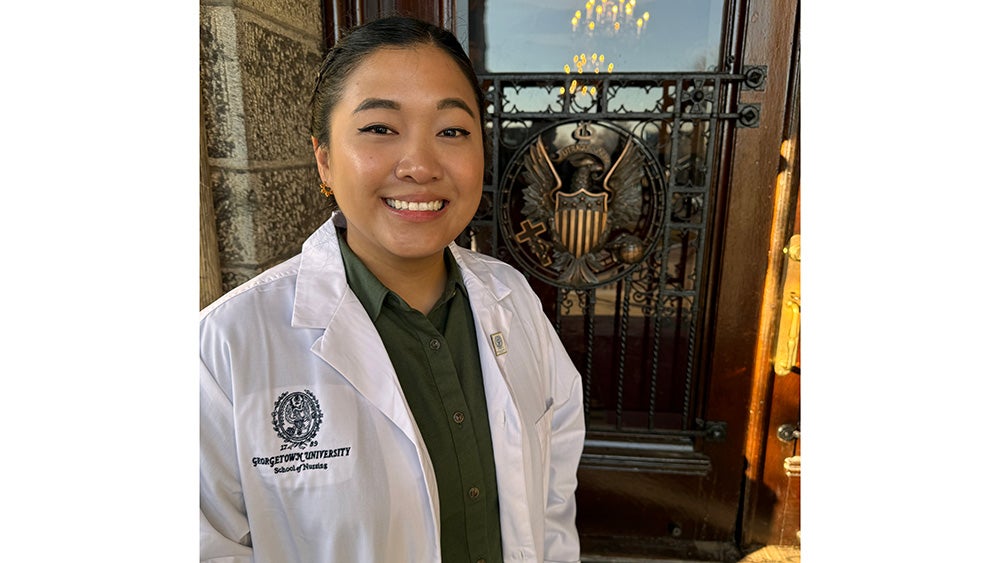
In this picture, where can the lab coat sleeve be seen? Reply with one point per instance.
(225, 530)
(562, 543)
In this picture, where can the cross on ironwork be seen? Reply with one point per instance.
(530, 233)
(529, 230)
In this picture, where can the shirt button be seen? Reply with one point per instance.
(474, 493)
(458, 417)
(435, 344)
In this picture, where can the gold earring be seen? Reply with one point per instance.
(327, 190)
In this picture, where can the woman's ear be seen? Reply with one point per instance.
(322, 160)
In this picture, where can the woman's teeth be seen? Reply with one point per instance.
(415, 206)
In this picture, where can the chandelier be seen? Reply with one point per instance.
(609, 17)
(600, 18)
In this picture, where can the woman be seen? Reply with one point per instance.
(386, 395)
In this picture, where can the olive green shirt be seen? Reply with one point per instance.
(436, 359)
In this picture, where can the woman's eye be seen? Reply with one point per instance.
(376, 129)
(455, 132)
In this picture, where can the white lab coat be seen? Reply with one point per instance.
(363, 488)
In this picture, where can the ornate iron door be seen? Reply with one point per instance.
(606, 189)
(604, 198)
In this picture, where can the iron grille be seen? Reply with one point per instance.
(631, 334)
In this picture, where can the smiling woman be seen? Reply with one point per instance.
(405, 163)
(382, 348)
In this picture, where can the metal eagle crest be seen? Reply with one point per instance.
(587, 215)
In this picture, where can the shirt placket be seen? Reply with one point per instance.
(457, 410)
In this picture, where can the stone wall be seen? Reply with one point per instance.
(258, 62)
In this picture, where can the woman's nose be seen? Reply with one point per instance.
(419, 163)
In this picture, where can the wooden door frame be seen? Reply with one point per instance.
(777, 397)
(340, 15)
(739, 338)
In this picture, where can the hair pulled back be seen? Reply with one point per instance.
(390, 32)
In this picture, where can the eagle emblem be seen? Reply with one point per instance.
(580, 219)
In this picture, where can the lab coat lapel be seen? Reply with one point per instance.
(490, 309)
(351, 344)
(494, 324)
(494, 314)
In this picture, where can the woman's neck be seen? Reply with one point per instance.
(420, 285)
(418, 281)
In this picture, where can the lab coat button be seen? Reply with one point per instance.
(458, 417)
(474, 492)
(435, 344)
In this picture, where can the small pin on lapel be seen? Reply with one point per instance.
(499, 344)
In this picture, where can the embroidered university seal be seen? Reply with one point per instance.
(296, 417)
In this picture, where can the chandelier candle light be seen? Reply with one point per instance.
(609, 17)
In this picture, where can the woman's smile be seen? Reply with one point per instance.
(401, 205)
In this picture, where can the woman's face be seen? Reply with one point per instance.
(405, 158)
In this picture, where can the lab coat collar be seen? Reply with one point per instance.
(476, 273)
(318, 290)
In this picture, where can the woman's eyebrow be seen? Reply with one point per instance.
(455, 103)
(376, 103)
(382, 103)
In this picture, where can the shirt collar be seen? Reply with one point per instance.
(372, 293)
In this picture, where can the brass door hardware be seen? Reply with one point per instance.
(789, 432)
(787, 347)
(793, 466)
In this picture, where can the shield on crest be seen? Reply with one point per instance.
(580, 219)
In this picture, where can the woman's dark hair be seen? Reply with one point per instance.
(358, 43)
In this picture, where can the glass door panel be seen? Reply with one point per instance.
(595, 36)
